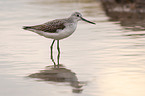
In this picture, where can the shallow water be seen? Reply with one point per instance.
(104, 59)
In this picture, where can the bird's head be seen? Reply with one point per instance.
(78, 16)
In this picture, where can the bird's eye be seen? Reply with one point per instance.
(77, 15)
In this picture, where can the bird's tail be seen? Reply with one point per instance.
(26, 27)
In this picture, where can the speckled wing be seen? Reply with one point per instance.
(50, 27)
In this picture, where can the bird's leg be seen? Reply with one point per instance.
(58, 56)
(51, 47)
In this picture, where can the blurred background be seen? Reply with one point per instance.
(106, 59)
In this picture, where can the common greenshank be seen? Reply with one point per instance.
(58, 29)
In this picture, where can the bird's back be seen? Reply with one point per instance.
(51, 26)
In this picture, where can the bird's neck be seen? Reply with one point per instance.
(72, 20)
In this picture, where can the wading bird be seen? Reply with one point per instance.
(58, 29)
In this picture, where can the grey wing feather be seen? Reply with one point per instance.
(51, 26)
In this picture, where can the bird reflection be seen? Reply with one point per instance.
(61, 74)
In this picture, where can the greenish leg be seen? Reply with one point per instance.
(58, 56)
(51, 47)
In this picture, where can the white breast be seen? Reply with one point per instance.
(61, 34)
(68, 30)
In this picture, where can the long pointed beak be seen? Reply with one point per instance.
(87, 21)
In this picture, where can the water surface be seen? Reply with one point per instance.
(104, 59)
